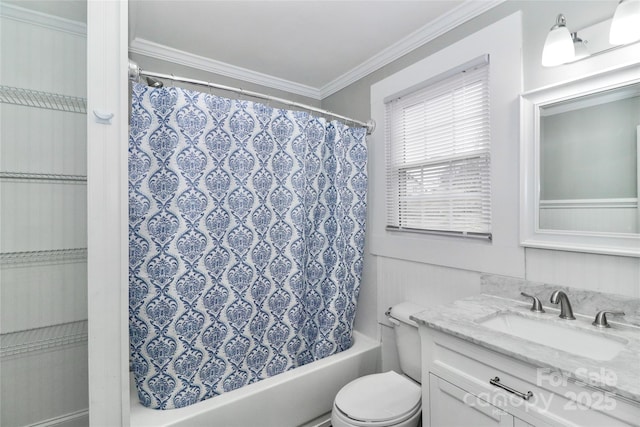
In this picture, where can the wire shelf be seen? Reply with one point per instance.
(39, 99)
(26, 176)
(45, 338)
(55, 256)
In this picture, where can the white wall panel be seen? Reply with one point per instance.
(603, 273)
(43, 288)
(41, 294)
(41, 385)
(42, 215)
(422, 284)
(44, 59)
(42, 141)
(108, 261)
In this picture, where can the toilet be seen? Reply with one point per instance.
(388, 399)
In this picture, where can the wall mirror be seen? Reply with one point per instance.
(580, 157)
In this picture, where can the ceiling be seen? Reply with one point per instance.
(309, 47)
(308, 42)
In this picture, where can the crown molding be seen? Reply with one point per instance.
(461, 14)
(45, 20)
(466, 11)
(155, 50)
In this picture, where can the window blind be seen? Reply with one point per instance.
(438, 156)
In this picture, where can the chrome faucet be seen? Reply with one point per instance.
(566, 312)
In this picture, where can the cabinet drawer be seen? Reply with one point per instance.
(452, 406)
(554, 400)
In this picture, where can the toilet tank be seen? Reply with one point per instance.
(407, 338)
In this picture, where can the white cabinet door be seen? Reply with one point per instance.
(451, 406)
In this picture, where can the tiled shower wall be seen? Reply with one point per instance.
(43, 216)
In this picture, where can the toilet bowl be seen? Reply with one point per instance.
(388, 399)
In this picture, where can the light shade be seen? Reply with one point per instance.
(558, 48)
(625, 27)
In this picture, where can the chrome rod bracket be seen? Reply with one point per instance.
(371, 126)
(134, 71)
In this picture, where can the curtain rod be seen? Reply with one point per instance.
(135, 72)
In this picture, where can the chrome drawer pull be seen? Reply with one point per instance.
(496, 382)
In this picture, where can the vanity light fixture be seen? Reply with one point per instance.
(580, 47)
(563, 46)
(625, 27)
(558, 47)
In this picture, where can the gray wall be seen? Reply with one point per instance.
(386, 280)
(538, 17)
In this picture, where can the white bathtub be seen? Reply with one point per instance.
(302, 396)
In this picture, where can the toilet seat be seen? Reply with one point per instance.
(379, 399)
(411, 419)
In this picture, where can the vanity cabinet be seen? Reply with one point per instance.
(457, 391)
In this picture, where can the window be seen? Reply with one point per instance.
(438, 155)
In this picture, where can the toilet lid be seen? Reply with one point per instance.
(378, 397)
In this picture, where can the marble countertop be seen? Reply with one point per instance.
(620, 375)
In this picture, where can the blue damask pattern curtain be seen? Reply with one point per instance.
(246, 236)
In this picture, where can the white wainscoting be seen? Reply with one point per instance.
(594, 272)
(42, 289)
(43, 215)
(25, 149)
(422, 284)
(41, 385)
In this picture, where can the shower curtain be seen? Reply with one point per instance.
(246, 236)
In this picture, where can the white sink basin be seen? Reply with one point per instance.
(565, 338)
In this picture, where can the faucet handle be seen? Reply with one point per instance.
(537, 305)
(601, 318)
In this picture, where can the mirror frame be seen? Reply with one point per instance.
(531, 235)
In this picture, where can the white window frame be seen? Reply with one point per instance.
(449, 155)
(502, 41)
